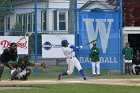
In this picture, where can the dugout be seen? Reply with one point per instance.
(132, 35)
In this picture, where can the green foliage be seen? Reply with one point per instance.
(17, 27)
(17, 30)
(32, 43)
(5, 4)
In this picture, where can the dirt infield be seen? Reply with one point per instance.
(125, 82)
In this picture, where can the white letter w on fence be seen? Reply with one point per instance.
(103, 26)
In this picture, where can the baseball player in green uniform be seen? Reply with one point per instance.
(94, 55)
(128, 55)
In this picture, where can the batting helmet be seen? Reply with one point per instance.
(64, 43)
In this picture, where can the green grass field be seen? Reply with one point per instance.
(52, 71)
(74, 88)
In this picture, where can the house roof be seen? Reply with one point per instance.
(92, 4)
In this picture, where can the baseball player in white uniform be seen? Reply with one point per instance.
(72, 61)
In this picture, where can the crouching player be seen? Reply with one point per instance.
(22, 68)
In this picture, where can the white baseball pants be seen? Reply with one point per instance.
(96, 65)
(73, 62)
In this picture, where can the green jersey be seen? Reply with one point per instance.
(17, 64)
(128, 53)
(94, 54)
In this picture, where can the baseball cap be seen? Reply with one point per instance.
(94, 43)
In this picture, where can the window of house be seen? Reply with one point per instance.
(1, 25)
(33, 21)
(20, 18)
(29, 22)
(7, 23)
(17, 18)
(24, 25)
(43, 20)
(26, 21)
(61, 20)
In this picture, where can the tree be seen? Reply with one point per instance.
(31, 44)
(6, 5)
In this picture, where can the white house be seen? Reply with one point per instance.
(52, 15)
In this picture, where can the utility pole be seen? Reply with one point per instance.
(71, 17)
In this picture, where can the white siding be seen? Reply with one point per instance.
(50, 20)
(52, 6)
(22, 10)
(39, 20)
(59, 5)
(51, 16)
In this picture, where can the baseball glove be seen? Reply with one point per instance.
(44, 65)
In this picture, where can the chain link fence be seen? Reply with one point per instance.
(34, 18)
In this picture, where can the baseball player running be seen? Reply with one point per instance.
(72, 61)
(22, 69)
